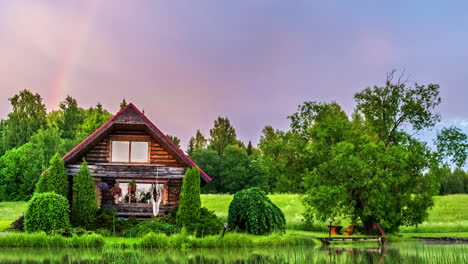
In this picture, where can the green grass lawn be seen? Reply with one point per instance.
(449, 215)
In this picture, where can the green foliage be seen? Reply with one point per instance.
(252, 211)
(207, 224)
(455, 182)
(55, 178)
(250, 148)
(84, 203)
(389, 107)
(27, 117)
(197, 143)
(189, 205)
(94, 118)
(46, 212)
(174, 139)
(234, 169)
(452, 142)
(146, 227)
(210, 162)
(123, 104)
(222, 135)
(73, 117)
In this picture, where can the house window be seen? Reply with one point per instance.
(130, 151)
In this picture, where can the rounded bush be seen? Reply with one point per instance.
(253, 212)
(47, 212)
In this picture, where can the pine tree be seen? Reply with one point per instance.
(222, 135)
(123, 104)
(84, 205)
(249, 148)
(55, 178)
(189, 205)
(191, 146)
(174, 139)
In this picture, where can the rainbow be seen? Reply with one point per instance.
(61, 80)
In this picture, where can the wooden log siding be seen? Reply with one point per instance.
(129, 171)
(101, 153)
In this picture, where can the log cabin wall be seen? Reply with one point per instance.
(101, 153)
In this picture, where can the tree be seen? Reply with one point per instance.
(27, 117)
(123, 104)
(222, 134)
(73, 118)
(369, 169)
(389, 107)
(55, 178)
(249, 148)
(210, 162)
(189, 204)
(174, 139)
(455, 182)
(94, 118)
(253, 212)
(84, 202)
(46, 212)
(452, 142)
(234, 169)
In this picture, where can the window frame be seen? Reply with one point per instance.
(130, 140)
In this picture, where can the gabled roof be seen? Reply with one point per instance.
(131, 116)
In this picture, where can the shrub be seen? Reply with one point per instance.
(84, 204)
(44, 240)
(55, 178)
(189, 205)
(252, 211)
(46, 212)
(146, 227)
(207, 224)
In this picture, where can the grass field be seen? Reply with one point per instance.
(449, 215)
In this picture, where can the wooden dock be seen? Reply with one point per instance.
(328, 240)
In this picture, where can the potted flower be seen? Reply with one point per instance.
(103, 186)
(116, 191)
(131, 191)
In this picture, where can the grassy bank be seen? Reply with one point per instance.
(152, 240)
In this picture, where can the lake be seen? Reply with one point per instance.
(402, 252)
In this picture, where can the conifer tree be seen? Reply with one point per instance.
(84, 205)
(55, 178)
(249, 148)
(189, 205)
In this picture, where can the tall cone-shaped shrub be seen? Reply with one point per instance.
(84, 204)
(189, 204)
(55, 178)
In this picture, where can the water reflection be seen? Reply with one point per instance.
(344, 253)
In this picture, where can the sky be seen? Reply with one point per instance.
(187, 62)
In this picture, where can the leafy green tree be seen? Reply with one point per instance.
(253, 212)
(94, 118)
(390, 107)
(73, 118)
(234, 169)
(455, 182)
(27, 117)
(222, 135)
(282, 159)
(46, 212)
(190, 203)
(452, 142)
(198, 142)
(84, 202)
(174, 139)
(55, 178)
(210, 162)
(442, 173)
(378, 176)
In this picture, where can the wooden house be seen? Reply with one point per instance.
(127, 150)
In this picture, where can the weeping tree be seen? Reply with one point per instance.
(55, 178)
(253, 212)
(189, 204)
(84, 205)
